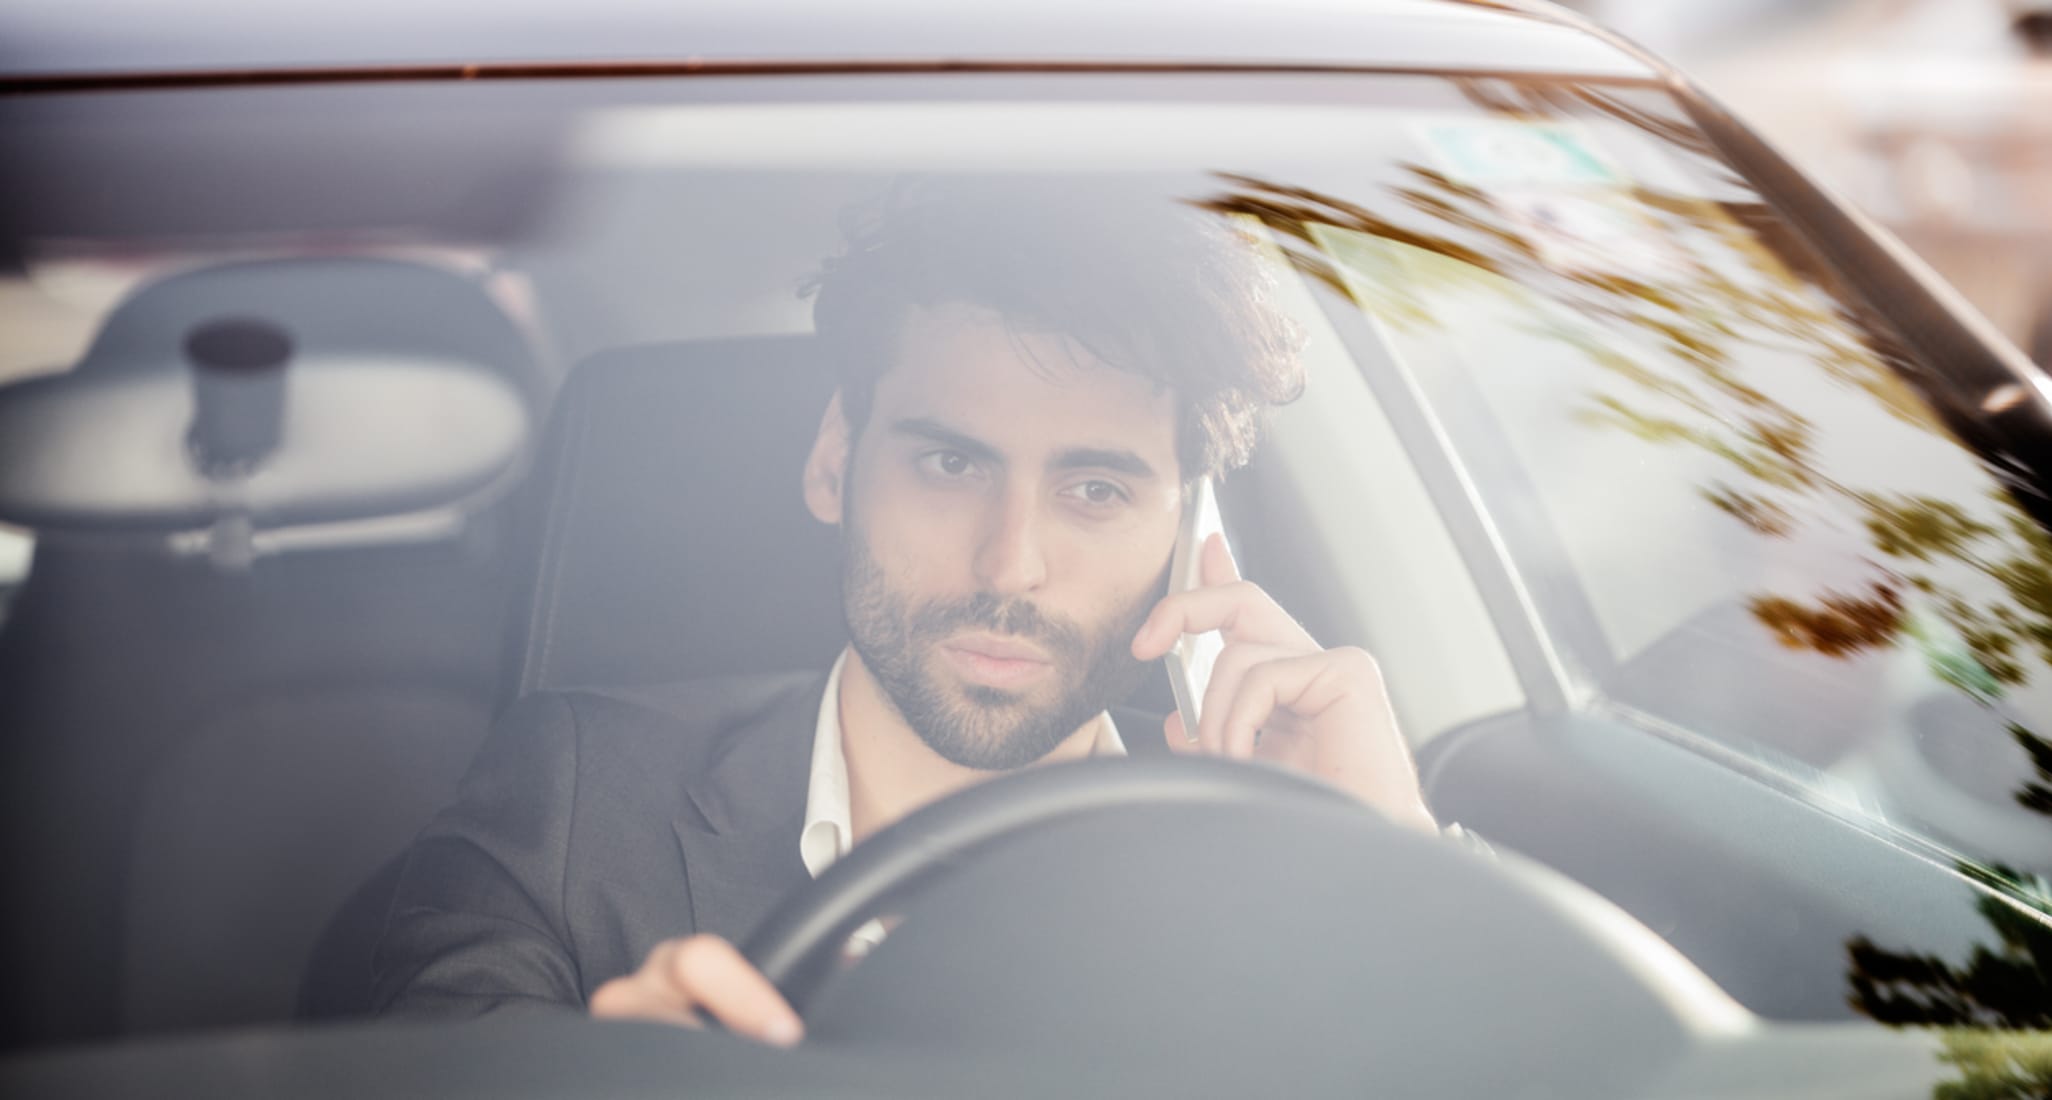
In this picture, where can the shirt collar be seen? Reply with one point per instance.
(825, 837)
(829, 832)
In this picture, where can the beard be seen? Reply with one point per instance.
(974, 725)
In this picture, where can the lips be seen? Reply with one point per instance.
(995, 661)
(999, 648)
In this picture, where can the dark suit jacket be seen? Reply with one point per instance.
(594, 825)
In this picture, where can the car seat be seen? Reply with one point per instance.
(663, 537)
(202, 755)
(670, 539)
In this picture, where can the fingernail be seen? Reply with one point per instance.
(783, 1033)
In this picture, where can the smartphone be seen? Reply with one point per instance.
(1190, 660)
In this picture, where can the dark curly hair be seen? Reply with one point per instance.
(1141, 282)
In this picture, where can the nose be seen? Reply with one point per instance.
(1010, 558)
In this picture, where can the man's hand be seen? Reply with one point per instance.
(685, 978)
(1276, 695)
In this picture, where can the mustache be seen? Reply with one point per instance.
(999, 615)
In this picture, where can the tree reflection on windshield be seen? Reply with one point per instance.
(1963, 585)
(2007, 985)
(1775, 481)
(2003, 1065)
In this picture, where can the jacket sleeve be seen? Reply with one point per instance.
(477, 922)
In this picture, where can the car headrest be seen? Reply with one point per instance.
(282, 393)
(673, 540)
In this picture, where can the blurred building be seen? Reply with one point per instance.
(1934, 116)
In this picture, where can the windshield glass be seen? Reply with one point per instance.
(1595, 455)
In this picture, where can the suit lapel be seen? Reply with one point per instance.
(739, 832)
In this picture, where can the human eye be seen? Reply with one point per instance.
(1099, 494)
(946, 465)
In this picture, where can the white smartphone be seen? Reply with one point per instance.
(1190, 660)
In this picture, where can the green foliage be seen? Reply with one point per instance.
(1997, 1065)
(1922, 528)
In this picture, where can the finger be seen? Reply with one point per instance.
(1305, 685)
(645, 994)
(632, 997)
(647, 991)
(715, 978)
(1228, 673)
(1215, 564)
(1238, 609)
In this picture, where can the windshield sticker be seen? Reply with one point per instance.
(1490, 154)
(1572, 207)
(1592, 230)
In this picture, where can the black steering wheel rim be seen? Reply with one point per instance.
(798, 945)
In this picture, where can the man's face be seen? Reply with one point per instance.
(1009, 512)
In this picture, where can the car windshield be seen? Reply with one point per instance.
(1597, 456)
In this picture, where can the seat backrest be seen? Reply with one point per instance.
(197, 764)
(674, 541)
(666, 539)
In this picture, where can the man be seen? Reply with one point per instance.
(1030, 380)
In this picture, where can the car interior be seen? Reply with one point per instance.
(224, 753)
(230, 704)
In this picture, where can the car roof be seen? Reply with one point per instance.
(92, 40)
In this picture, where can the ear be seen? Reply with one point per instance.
(826, 468)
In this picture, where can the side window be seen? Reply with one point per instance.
(1393, 579)
(1732, 515)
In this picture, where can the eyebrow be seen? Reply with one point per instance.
(934, 431)
(1097, 458)
(1073, 458)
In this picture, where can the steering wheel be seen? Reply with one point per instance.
(1198, 908)
(797, 946)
